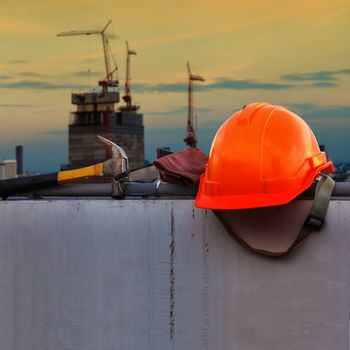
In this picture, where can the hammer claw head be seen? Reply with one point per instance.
(113, 145)
(119, 161)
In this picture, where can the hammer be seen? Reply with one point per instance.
(116, 165)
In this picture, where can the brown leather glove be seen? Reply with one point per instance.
(185, 166)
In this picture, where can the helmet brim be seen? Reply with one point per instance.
(247, 201)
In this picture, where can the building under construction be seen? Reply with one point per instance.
(97, 114)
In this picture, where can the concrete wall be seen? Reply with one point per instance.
(157, 275)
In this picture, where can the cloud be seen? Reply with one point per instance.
(4, 77)
(325, 79)
(317, 112)
(323, 84)
(344, 71)
(30, 74)
(246, 84)
(174, 87)
(231, 84)
(219, 84)
(177, 111)
(17, 61)
(37, 85)
(29, 84)
(316, 76)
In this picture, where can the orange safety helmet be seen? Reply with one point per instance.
(263, 155)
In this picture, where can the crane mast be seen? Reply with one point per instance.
(127, 94)
(191, 139)
(108, 81)
(109, 74)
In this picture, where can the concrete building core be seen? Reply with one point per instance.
(96, 114)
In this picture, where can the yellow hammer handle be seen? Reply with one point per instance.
(78, 174)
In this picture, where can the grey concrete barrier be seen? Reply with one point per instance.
(89, 274)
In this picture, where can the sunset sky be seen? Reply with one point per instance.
(292, 53)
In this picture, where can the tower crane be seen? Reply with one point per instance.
(108, 81)
(127, 94)
(191, 139)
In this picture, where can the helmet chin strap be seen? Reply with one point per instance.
(322, 197)
(318, 210)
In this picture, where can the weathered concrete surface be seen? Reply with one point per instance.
(157, 275)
